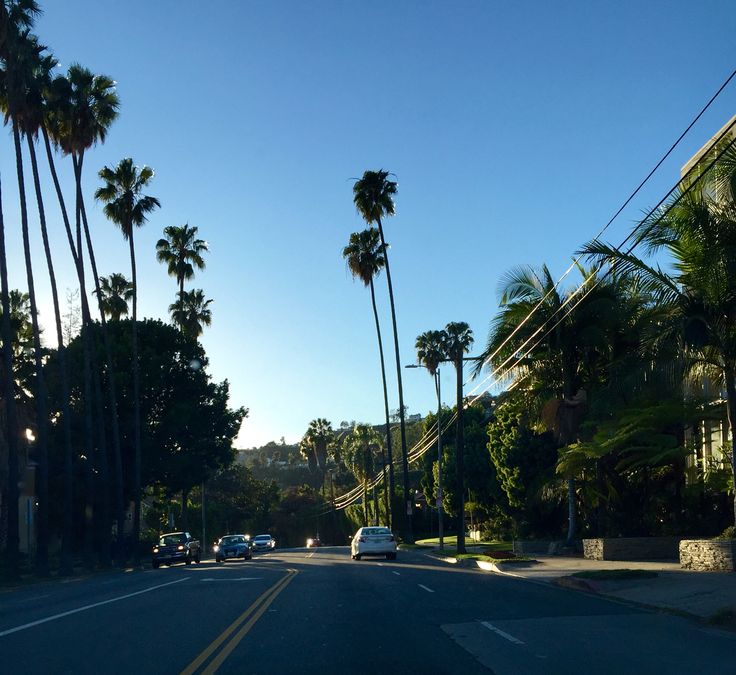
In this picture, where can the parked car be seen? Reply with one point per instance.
(232, 546)
(175, 547)
(313, 542)
(373, 541)
(264, 542)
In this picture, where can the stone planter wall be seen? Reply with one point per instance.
(708, 554)
(632, 548)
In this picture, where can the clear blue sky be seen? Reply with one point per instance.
(514, 132)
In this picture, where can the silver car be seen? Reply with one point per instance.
(373, 541)
(233, 546)
(264, 542)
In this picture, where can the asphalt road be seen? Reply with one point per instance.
(317, 611)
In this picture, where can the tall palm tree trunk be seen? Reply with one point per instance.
(392, 496)
(68, 502)
(89, 499)
(112, 395)
(66, 562)
(11, 418)
(375, 505)
(136, 406)
(185, 510)
(42, 470)
(384, 470)
(459, 457)
(404, 455)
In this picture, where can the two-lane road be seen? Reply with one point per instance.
(317, 611)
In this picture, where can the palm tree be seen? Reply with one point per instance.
(22, 61)
(80, 109)
(128, 208)
(557, 346)
(697, 299)
(319, 436)
(182, 252)
(191, 312)
(116, 292)
(457, 340)
(365, 259)
(15, 18)
(373, 196)
(362, 445)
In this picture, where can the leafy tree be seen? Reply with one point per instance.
(697, 298)
(373, 196)
(365, 258)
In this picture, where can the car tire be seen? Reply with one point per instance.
(154, 564)
(188, 559)
(357, 556)
(390, 556)
(198, 559)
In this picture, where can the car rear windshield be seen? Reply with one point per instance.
(376, 530)
(171, 539)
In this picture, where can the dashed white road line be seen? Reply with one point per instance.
(398, 574)
(429, 590)
(85, 608)
(503, 634)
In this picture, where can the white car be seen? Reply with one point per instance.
(264, 542)
(373, 541)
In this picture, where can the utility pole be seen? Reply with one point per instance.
(204, 524)
(440, 524)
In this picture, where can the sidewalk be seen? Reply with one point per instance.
(706, 595)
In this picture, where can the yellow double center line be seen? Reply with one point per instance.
(244, 623)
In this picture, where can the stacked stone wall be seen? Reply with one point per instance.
(708, 554)
(631, 548)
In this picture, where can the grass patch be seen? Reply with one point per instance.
(414, 547)
(722, 617)
(615, 575)
(451, 543)
(498, 557)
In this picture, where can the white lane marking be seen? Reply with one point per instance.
(380, 564)
(398, 574)
(429, 590)
(498, 631)
(85, 608)
(236, 579)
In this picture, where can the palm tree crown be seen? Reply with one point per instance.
(116, 292)
(458, 339)
(125, 203)
(191, 312)
(373, 195)
(85, 107)
(182, 252)
(430, 347)
(364, 256)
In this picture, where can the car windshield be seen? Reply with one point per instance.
(172, 539)
(263, 537)
(233, 539)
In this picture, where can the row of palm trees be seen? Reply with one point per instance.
(70, 114)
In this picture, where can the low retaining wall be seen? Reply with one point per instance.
(708, 554)
(632, 548)
(528, 547)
